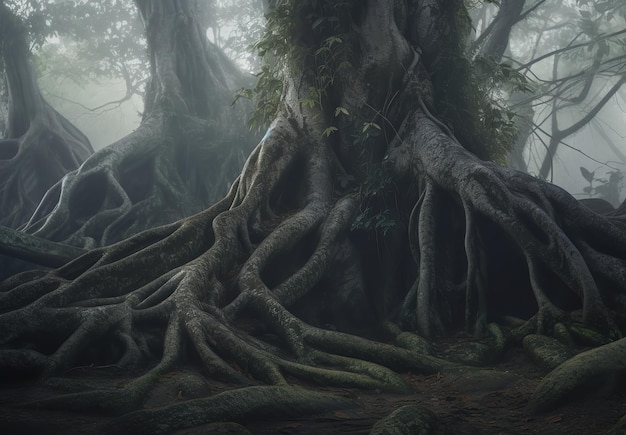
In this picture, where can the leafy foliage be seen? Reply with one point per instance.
(84, 41)
(377, 187)
(496, 82)
(608, 189)
(235, 26)
(279, 48)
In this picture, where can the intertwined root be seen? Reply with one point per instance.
(604, 365)
(171, 290)
(40, 145)
(139, 182)
(200, 285)
(564, 244)
(526, 211)
(127, 321)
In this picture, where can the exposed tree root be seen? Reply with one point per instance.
(575, 258)
(188, 148)
(20, 245)
(130, 186)
(167, 289)
(235, 405)
(170, 290)
(551, 231)
(597, 369)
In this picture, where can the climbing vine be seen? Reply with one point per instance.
(284, 47)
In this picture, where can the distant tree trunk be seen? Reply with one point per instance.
(496, 38)
(363, 212)
(180, 159)
(40, 146)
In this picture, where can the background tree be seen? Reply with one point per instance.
(40, 145)
(572, 56)
(369, 220)
(151, 172)
(96, 40)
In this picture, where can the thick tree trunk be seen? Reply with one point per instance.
(274, 282)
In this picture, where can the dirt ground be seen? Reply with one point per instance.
(470, 409)
(461, 407)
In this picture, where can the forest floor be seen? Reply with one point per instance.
(462, 408)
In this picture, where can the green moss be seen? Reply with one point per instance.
(232, 405)
(409, 420)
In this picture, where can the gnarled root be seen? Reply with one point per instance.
(575, 259)
(235, 405)
(201, 285)
(142, 181)
(595, 369)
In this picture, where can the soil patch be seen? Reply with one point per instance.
(474, 406)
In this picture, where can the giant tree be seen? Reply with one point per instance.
(174, 164)
(40, 145)
(370, 218)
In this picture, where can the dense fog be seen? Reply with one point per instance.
(93, 72)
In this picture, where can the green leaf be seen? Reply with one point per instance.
(586, 174)
(330, 130)
(317, 22)
(369, 125)
(322, 50)
(339, 110)
(330, 41)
